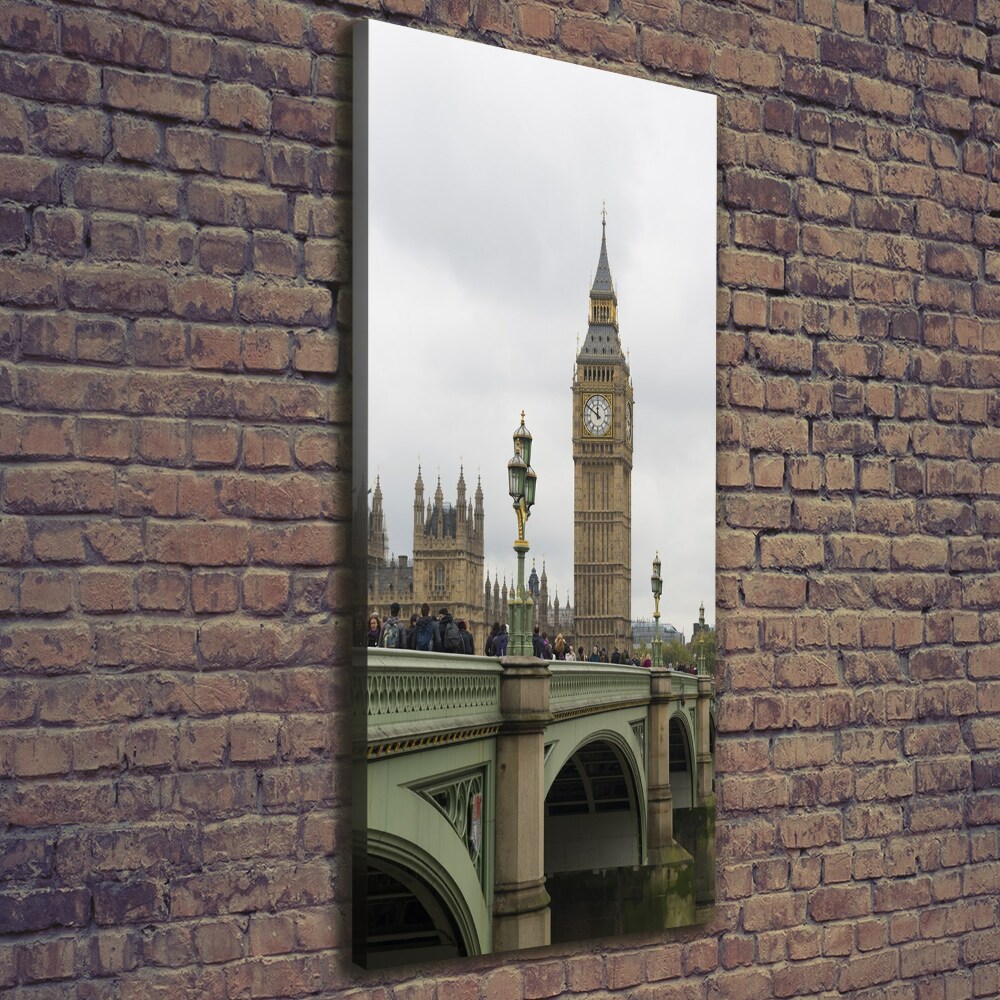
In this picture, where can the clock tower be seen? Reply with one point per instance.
(602, 473)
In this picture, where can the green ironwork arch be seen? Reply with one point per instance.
(634, 768)
(431, 872)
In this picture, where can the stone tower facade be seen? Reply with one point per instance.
(447, 564)
(602, 478)
(448, 553)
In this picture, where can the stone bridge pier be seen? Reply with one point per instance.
(521, 917)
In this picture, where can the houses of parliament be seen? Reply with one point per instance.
(447, 565)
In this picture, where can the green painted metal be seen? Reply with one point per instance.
(413, 695)
(406, 827)
(432, 722)
(576, 686)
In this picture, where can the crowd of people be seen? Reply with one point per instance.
(442, 633)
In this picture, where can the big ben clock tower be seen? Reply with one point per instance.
(602, 473)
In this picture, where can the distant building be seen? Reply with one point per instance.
(447, 565)
(446, 569)
(644, 630)
(550, 616)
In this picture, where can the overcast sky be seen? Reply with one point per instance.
(488, 171)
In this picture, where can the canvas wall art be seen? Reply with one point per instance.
(534, 467)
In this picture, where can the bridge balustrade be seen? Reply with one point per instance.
(415, 697)
(578, 686)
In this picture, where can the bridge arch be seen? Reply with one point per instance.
(682, 761)
(415, 878)
(595, 800)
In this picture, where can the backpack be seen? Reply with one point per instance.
(452, 639)
(490, 643)
(425, 634)
(392, 635)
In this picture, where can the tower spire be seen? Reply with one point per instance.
(601, 342)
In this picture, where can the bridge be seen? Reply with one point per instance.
(520, 802)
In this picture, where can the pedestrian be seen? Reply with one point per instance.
(491, 639)
(467, 641)
(559, 649)
(546, 647)
(616, 657)
(500, 642)
(451, 638)
(393, 635)
(426, 634)
(570, 655)
(374, 630)
(647, 663)
(536, 644)
(595, 656)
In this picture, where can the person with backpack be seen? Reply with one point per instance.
(393, 634)
(470, 643)
(451, 638)
(491, 639)
(426, 634)
(500, 642)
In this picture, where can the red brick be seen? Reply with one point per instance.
(106, 590)
(214, 592)
(216, 544)
(161, 590)
(49, 78)
(239, 105)
(230, 202)
(265, 592)
(302, 306)
(313, 121)
(618, 41)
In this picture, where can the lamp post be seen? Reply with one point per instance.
(522, 479)
(701, 639)
(657, 582)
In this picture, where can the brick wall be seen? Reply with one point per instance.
(174, 408)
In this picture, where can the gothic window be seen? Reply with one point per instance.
(439, 578)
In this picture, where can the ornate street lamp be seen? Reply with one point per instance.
(521, 479)
(701, 639)
(657, 583)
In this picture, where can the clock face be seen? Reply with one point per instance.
(597, 416)
(628, 423)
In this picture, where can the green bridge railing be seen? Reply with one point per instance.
(413, 694)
